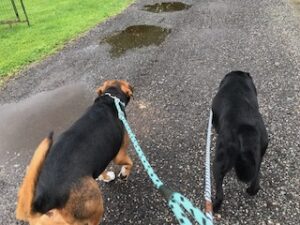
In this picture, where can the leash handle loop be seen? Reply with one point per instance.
(194, 212)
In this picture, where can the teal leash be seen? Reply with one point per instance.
(181, 207)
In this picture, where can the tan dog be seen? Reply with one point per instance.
(60, 190)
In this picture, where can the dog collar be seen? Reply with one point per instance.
(114, 97)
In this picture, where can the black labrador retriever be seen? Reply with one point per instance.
(242, 137)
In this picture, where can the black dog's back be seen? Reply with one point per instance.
(85, 149)
(242, 137)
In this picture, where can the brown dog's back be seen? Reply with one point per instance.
(27, 189)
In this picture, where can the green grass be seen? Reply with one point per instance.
(53, 23)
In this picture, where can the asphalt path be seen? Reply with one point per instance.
(174, 84)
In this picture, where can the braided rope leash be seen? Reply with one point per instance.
(207, 193)
(179, 204)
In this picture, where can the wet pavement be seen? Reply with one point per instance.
(174, 84)
(24, 124)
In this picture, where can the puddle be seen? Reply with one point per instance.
(24, 124)
(166, 7)
(135, 37)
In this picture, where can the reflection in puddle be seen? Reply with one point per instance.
(166, 7)
(136, 37)
(24, 124)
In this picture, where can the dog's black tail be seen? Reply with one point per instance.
(246, 162)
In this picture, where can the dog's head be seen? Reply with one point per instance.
(235, 75)
(121, 85)
(240, 76)
(239, 73)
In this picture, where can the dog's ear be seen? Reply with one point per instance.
(100, 90)
(127, 89)
(130, 92)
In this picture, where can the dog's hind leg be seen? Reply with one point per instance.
(221, 167)
(254, 185)
(219, 177)
(123, 159)
(85, 205)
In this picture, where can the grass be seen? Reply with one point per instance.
(53, 23)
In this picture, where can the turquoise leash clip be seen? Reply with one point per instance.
(180, 205)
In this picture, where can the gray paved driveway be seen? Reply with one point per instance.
(174, 84)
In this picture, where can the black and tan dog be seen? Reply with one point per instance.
(242, 137)
(59, 187)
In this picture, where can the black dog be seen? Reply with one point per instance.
(242, 137)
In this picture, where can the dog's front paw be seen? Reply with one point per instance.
(123, 175)
(107, 176)
(252, 191)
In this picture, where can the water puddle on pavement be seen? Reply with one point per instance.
(166, 7)
(137, 36)
(24, 124)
